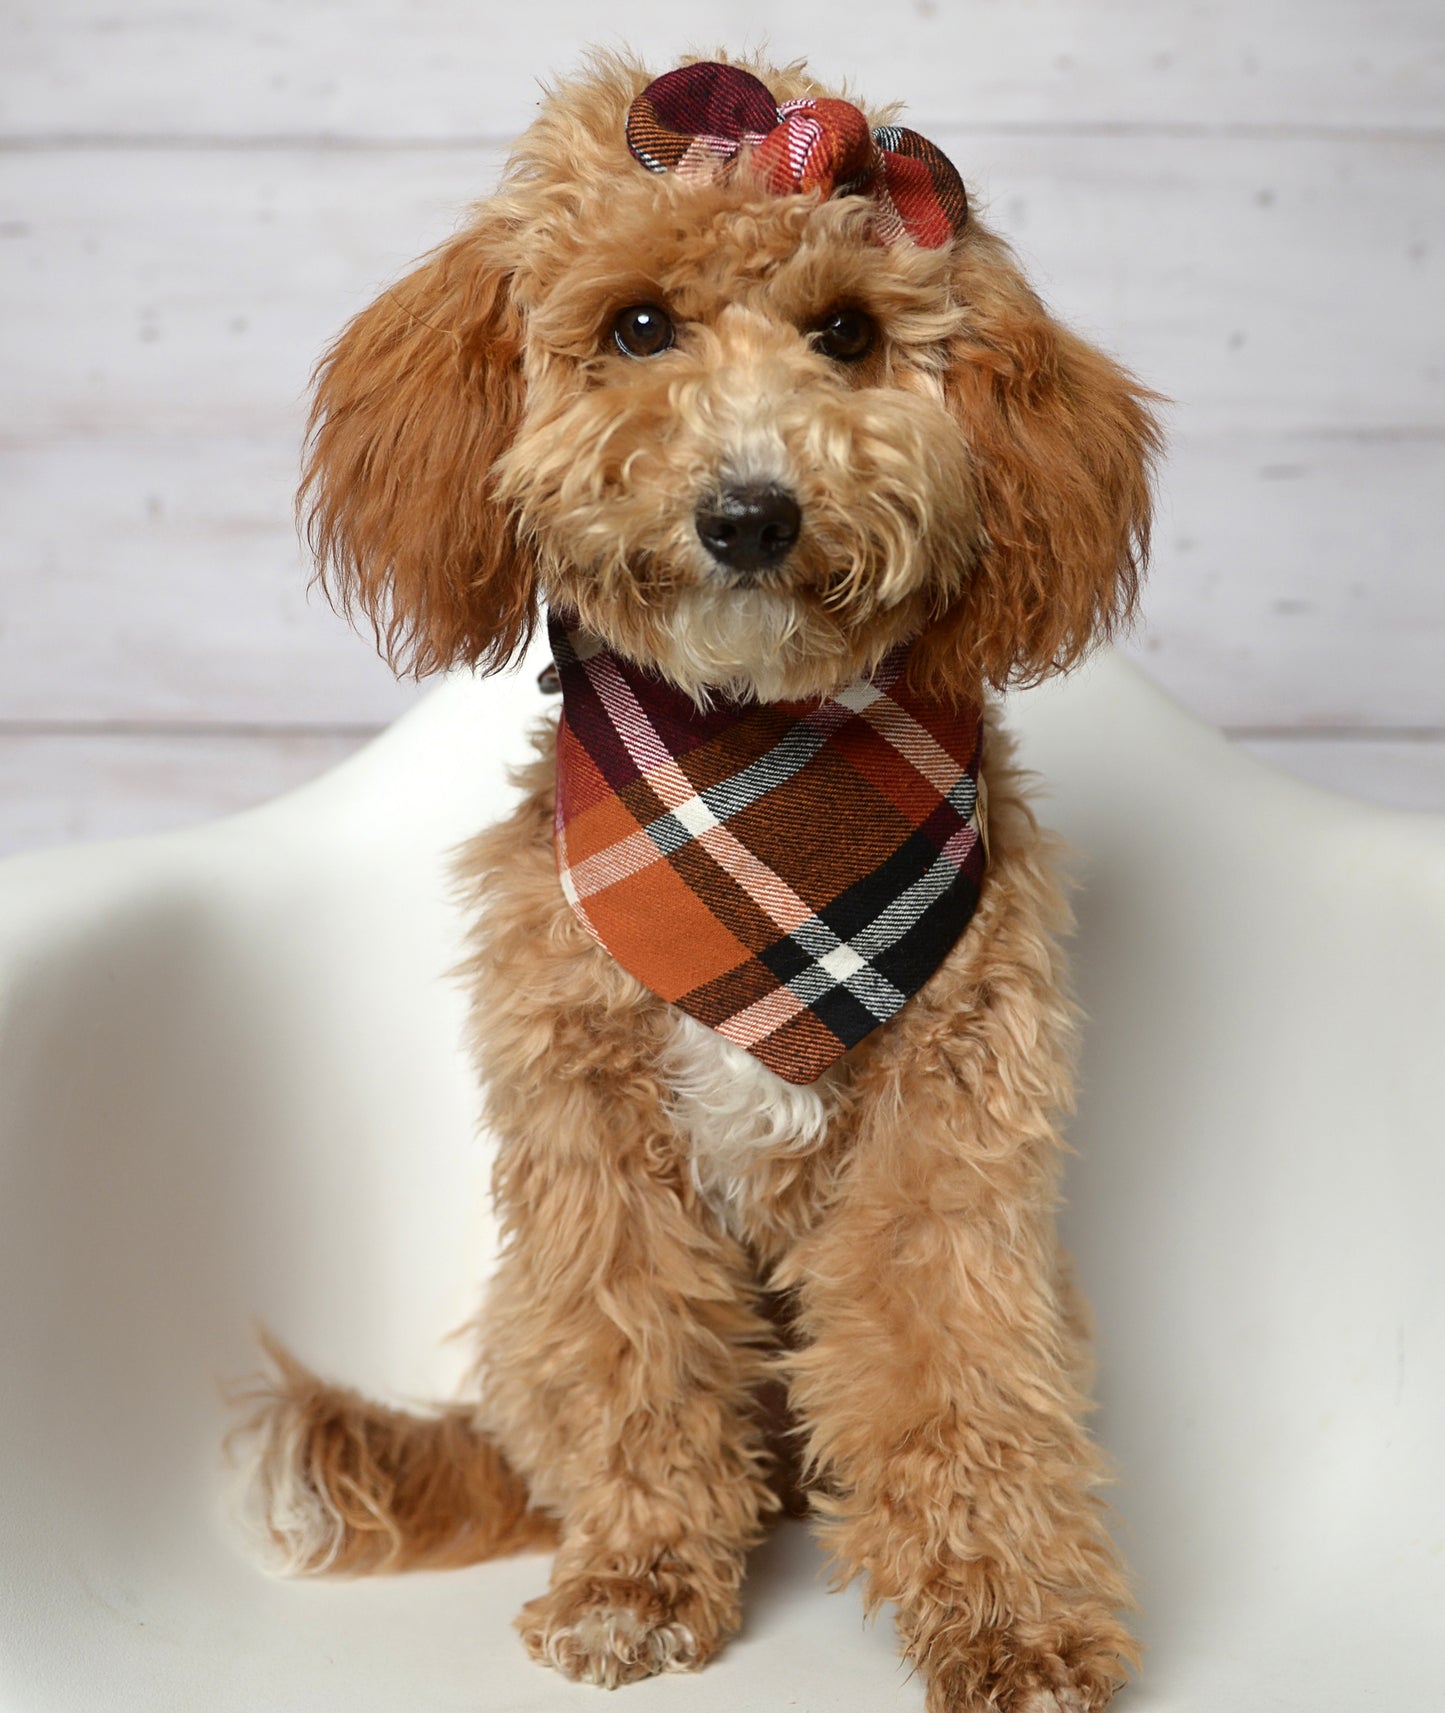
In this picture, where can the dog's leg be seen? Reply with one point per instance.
(936, 1390)
(623, 1344)
(622, 1352)
(939, 1375)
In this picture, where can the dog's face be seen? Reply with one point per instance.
(735, 459)
(743, 440)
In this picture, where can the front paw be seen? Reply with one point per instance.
(1002, 1672)
(611, 1629)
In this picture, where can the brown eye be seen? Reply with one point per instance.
(642, 330)
(846, 335)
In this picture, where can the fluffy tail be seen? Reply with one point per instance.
(345, 1487)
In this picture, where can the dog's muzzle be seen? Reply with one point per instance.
(749, 529)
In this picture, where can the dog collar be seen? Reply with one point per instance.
(696, 120)
(787, 873)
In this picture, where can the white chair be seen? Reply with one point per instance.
(230, 1090)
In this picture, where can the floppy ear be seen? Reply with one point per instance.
(413, 405)
(1062, 441)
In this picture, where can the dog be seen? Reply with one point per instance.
(729, 375)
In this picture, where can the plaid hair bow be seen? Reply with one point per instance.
(693, 121)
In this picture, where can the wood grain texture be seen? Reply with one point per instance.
(1296, 582)
(1243, 200)
(451, 68)
(1297, 579)
(1292, 282)
(162, 581)
(163, 313)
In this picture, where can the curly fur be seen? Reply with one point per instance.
(682, 1230)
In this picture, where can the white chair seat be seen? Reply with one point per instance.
(230, 1090)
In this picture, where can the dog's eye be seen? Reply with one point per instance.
(846, 335)
(642, 330)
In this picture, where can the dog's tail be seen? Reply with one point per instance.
(338, 1485)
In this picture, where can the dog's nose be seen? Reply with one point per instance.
(749, 529)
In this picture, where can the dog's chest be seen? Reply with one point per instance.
(734, 1116)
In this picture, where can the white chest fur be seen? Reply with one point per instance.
(733, 1113)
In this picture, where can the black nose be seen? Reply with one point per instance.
(749, 529)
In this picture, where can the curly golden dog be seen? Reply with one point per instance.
(754, 438)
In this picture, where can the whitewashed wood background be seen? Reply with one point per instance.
(1245, 199)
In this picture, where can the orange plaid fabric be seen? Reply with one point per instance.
(694, 121)
(788, 873)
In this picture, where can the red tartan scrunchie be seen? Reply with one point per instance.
(693, 121)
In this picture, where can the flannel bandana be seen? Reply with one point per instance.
(788, 873)
(693, 121)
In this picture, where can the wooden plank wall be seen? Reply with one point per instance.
(1246, 199)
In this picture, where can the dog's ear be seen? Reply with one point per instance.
(413, 405)
(1062, 441)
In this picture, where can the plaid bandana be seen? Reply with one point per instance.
(693, 121)
(788, 873)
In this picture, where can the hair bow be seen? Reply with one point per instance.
(693, 121)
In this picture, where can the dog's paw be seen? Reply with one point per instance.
(1043, 1700)
(1000, 1673)
(611, 1630)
